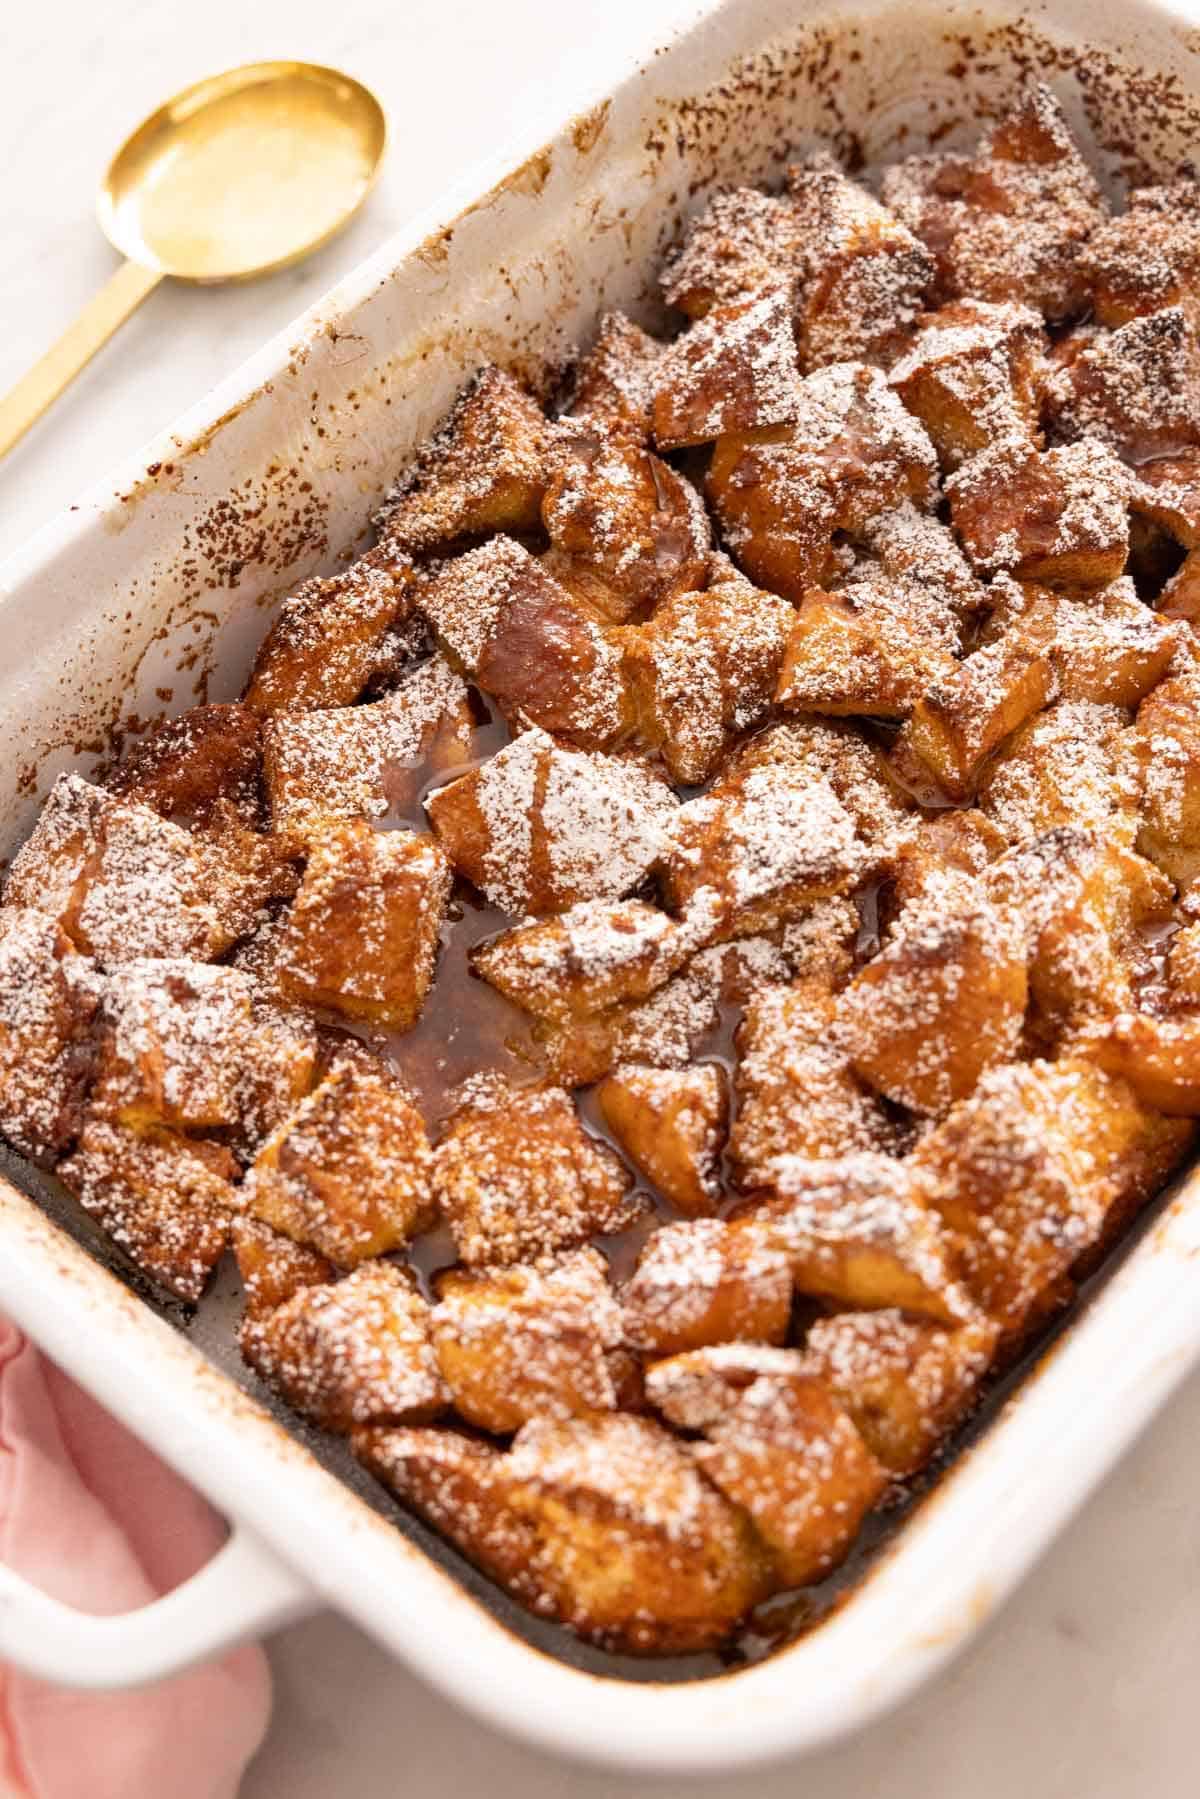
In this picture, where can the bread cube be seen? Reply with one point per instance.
(362, 936)
(48, 997)
(1180, 595)
(704, 668)
(357, 761)
(744, 241)
(527, 1341)
(586, 959)
(822, 945)
(613, 382)
(175, 1039)
(540, 827)
(1136, 388)
(257, 867)
(281, 1068)
(1074, 763)
(698, 1388)
(349, 1171)
(633, 531)
(959, 721)
(735, 370)
(352, 1353)
(856, 770)
(1167, 492)
(941, 1002)
(705, 1282)
(1107, 647)
(45, 870)
(1027, 1169)
(523, 639)
(1159, 1057)
(971, 375)
(1057, 516)
(937, 864)
(273, 1268)
(906, 1382)
(162, 1198)
(665, 1030)
(791, 1456)
(672, 1124)
(324, 645)
(869, 649)
(863, 275)
(186, 764)
(917, 551)
(1148, 256)
(1167, 746)
(484, 470)
(517, 1176)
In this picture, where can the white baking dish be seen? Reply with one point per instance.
(152, 592)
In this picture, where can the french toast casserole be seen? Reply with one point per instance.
(688, 950)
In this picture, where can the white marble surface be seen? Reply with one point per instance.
(1082, 1686)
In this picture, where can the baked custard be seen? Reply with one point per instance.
(687, 951)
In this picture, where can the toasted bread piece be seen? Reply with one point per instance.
(1058, 516)
(517, 1176)
(1075, 763)
(1136, 388)
(1183, 964)
(1107, 646)
(664, 1030)
(614, 380)
(586, 959)
(1148, 256)
(735, 370)
(187, 764)
(971, 375)
(1167, 745)
(959, 721)
(362, 936)
(1167, 493)
(856, 770)
(699, 1387)
(174, 1044)
(906, 1382)
(348, 1172)
(48, 998)
(744, 241)
(258, 868)
(273, 1268)
(540, 827)
(914, 549)
(527, 1341)
(46, 868)
(323, 647)
(164, 1199)
(1159, 1057)
(870, 649)
(671, 1123)
(822, 945)
(705, 1282)
(938, 862)
(281, 1068)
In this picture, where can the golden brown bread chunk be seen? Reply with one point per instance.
(273, 1268)
(48, 864)
(937, 861)
(706, 1282)
(744, 240)
(614, 380)
(348, 1172)
(540, 827)
(1167, 746)
(1136, 388)
(672, 1124)
(525, 640)
(323, 647)
(699, 1387)
(517, 1176)
(1159, 1057)
(1148, 257)
(353, 1352)
(531, 1341)
(257, 867)
(1106, 646)
(362, 935)
(187, 764)
(1183, 964)
(959, 721)
(1057, 516)
(856, 770)
(48, 997)
(971, 375)
(166, 1200)
(1167, 492)
(283, 1053)
(735, 370)
(484, 470)
(920, 554)
(585, 960)
(1075, 764)
(906, 1382)
(174, 1044)
(870, 649)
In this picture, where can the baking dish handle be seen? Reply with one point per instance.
(243, 1591)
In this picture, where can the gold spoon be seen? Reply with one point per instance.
(236, 176)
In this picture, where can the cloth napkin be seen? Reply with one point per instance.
(91, 1516)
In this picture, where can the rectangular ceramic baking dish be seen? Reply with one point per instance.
(152, 592)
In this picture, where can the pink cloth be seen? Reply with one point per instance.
(92, 1517)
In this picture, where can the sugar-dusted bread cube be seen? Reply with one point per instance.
(604, 1523)
(917, 551)
(258, 868)
(187, 764)
(906, 1382)
(273, 1268)
(1058, 516)
(790, 1454)
(1010, 222)
(174, 1044)
(863, 275)
(323, 647)
(937, 864)
(362, 936)
(583, 960)
(540, 826)
(780, 493)
(527, 642)
(869, 649)
(1148, 256)
(735, 370)
(483, 470)
(1106, 646)
(165, 1199)
(704, 668)
(349, 1171)
(614, 380)
(1027, 1169)
(530, 1341)
(942, 1001)
(1167, 744)
(699, 1387)
(664, 1030)
(971, 374)
(822, 945)
(860, 1231)
(622, 524)
(671, 1123)
(961, 719)
(48, 996)
(1180, 595)
(796, 1092)
(517, 1176)
(282, 1066)
(706, 1281)
(1158, 1056)
(1136, 388)
(353, 1352)
(48, 864)
(857, 771)
(1167, 493)
(355, 761)
(742, 242)
(1074, 763)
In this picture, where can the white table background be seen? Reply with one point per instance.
(1083, 1686)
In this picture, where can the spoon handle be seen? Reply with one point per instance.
(27, 401)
